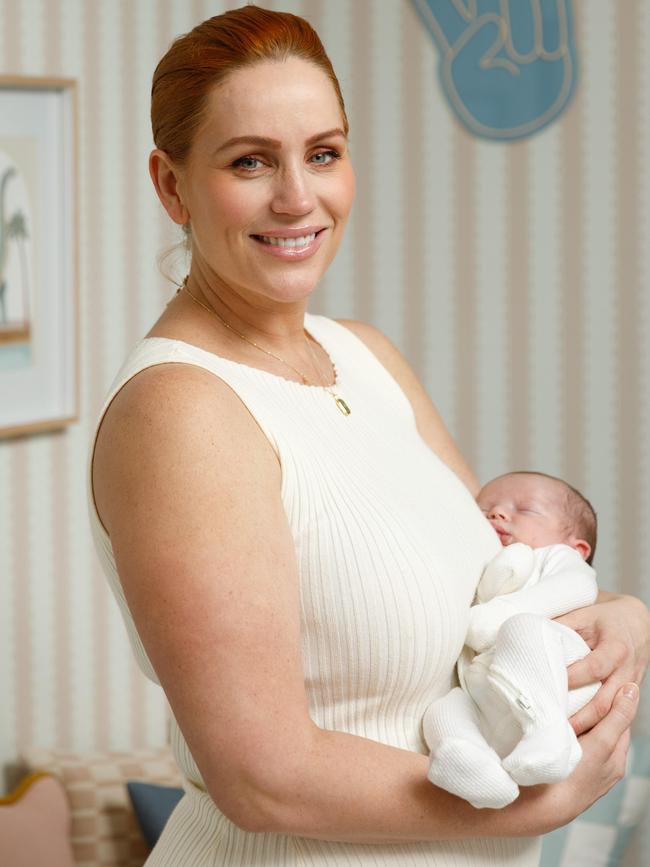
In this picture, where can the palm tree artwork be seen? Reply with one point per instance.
(17, 229)
(14, 236)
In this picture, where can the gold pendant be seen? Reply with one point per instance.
(342, 405)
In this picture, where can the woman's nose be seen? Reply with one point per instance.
(293, 194)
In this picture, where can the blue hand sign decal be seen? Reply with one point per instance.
(507, 66)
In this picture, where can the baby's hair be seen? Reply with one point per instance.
(580, 514)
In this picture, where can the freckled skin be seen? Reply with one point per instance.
(247, 189)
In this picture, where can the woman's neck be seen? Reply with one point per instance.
(278, 326)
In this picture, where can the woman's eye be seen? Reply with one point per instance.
(324, 158)
(248, 164)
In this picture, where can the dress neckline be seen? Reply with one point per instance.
(310, 331)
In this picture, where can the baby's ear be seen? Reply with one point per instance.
(583, 548)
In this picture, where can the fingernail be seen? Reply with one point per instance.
(631, 691)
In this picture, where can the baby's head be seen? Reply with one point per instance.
(539, 510)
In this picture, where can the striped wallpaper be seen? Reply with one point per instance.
(514, 277)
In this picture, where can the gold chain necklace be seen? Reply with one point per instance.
(338, 400)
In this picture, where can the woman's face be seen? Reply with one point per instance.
(268, 184)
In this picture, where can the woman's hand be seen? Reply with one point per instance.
(543, 808)
(604, 753)
(617, 629)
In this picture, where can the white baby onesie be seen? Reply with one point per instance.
(506, 725)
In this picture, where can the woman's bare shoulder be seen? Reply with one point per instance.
(159, 387)
(171, 414)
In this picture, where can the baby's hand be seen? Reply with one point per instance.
(485, 621)
(506, 572)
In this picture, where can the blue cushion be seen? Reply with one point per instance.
(153, 805)
(598, 837)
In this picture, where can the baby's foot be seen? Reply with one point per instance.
(544, 755)
(471, 772)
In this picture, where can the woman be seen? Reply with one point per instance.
(287, 525)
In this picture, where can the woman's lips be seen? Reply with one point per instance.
(292, 246)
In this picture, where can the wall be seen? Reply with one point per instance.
(513, 276)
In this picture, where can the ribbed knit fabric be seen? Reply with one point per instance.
(390, 546)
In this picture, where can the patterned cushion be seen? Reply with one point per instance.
(35, 824)
(599, 836)
(104, 829)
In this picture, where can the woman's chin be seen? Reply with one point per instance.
(290, 289)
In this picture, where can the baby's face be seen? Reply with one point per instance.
(525, 508)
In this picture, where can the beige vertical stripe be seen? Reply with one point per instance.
(544, 303)
(360, 113)
(438, 271)
(24, 658)
(598, 95)
(52, 12)
(518, 286)
(572, 289)
(131, 170)
(628, 276)
(197, 12)
(414, 229)
(465, 361)
(62, 600)
(11, 27)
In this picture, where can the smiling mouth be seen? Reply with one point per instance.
(290, 243)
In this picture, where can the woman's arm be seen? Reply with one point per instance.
(189, 490)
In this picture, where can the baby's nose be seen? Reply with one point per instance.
(498, 513)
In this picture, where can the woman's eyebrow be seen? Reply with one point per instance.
(263, 141)
(327, 134)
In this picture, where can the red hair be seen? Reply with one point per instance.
(204, 57)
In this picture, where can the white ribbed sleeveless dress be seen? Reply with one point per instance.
(390, 546)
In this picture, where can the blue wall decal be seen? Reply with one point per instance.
(508, 67)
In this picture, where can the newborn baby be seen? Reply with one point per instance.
(506, 725)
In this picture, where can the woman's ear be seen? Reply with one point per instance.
(165, 176)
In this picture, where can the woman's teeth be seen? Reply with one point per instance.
(302, 241)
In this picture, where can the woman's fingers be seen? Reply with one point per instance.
(605, 748)
(608, 656)
(604, 753)
(610, 737)
(592, 713)
(610, 663)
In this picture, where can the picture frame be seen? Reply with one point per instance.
(39, 293)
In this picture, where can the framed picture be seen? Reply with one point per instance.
(39, 334)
